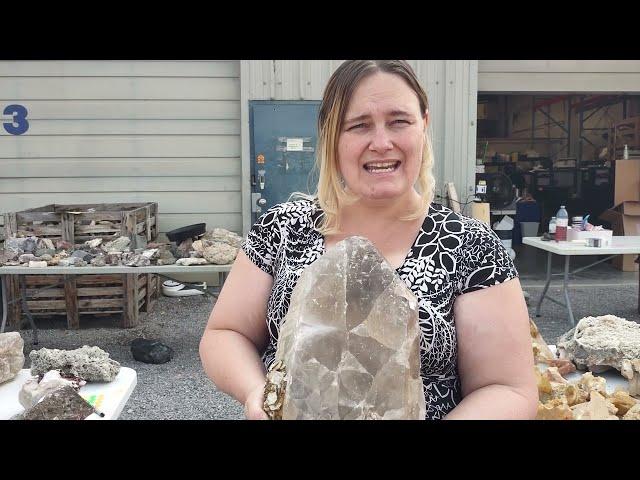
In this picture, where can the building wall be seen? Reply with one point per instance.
(559, 76)
(125, 131)
(450, 84)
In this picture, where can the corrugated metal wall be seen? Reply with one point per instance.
(126, 131)
(450, 84)
(559, 76)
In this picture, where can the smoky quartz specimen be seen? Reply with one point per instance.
(350, 340)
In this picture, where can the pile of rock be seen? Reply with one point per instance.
(57, 376)
(218, 246)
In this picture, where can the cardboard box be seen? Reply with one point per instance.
(625, 220)
(627, 181)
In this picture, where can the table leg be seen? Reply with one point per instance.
(25, 308)
(546, 286)
(5, 306)
(566, 288)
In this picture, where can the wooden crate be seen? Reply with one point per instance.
(75, 295)
(82, 222)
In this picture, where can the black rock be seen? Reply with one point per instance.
(150, 351)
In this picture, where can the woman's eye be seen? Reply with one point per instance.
(359, 125)
(397, 122)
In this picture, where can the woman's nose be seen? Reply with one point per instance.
(380, 142)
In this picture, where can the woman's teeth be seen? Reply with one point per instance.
(381, 167)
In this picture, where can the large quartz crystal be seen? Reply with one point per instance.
(11, 355)
(350, 341)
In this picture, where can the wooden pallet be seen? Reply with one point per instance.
(75, 295)
(82, 222)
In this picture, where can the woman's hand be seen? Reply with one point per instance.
(253, 405)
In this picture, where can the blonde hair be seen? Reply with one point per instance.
(331, 194)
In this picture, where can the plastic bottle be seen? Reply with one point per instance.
(552, 225)
(562, 222)
(625, 154)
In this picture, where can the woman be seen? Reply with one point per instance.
(376, 181)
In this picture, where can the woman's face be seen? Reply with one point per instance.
(382, 139)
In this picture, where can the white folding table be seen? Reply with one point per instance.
(162, 270)
(108, 398)
(620, 245)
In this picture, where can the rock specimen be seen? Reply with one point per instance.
(94, 243)
(150, 351)
(597, 408)
(135, 260)
(225, 236)
(33, 390)
(62, 404)
(36, 264)
(350, 340)
(165, 257)
(90, 363)
(7, 256)
(117, 245)
(191, 261)
(98, 261)
(11, 355)
(220, 253)
(598, 343)
(26, 258)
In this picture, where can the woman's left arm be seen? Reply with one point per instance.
(495, 360)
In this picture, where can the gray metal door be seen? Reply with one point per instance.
(283, 147)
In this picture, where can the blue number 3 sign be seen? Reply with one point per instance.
(19, 123)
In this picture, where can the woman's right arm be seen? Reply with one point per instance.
(236, 333)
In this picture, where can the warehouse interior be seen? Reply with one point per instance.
(557, 149)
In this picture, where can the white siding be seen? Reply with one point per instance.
(451, 86)
(126, 131)
(559, 76)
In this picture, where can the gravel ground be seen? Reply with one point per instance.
(619, 300)
(176, 390)
(179, 389)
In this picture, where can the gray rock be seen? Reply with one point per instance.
(63, 403)
(45, 258)
(81, 254)
(225, 236)
(98, 261)
(220, 253)
(117, 245)
(26, 257)
(135, 260)
(90, 363)
(11, 355)
(7, 256)
(72, 262)
(45, 251)
(165, 257)
(30, 244)
(15, 245)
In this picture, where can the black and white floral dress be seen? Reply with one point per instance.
(452, 254)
